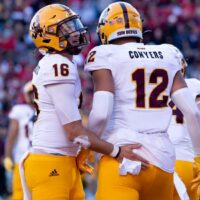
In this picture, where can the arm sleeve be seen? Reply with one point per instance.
(102, 108)
(186, 104)
(65, 102)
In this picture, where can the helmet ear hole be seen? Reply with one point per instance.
(46, 40)
(63, 44)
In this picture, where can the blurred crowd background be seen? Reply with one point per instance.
(171, 21)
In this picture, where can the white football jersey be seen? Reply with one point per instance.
(23, 113)
(143, 76)
(178, 131)
(48, 133)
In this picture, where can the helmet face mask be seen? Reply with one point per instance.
(56, 28)
(75, 33)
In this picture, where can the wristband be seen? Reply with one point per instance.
(115, 151)
(118, 153)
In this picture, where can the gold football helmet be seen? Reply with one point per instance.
(56, 28)
(119, 20)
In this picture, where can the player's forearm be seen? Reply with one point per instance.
(86, 138)
(193, 124)
(8, 150)
(10, 141)
(8, 161)
(97, 144)
(9, 146)
(11, 138)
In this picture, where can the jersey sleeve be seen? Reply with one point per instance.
(57, 69)
(64, 101)
(197, 87)
(15, 113)
(176, 56)
(98, 58)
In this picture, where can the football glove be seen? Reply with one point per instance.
(81, 160)
(196, 168)
(8, 164)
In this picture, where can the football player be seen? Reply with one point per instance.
(50, 169)
(179, 136)
(19, 138)
(133, 83)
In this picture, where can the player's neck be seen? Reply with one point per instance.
(67, 55)
(124, 40)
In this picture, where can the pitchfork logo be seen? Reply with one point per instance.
(36, 29)
(102, 19)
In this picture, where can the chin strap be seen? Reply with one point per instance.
(147, 31)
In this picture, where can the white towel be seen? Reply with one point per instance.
(180, 187)
(26, 191)
(129, 166)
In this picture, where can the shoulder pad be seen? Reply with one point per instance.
(57, 69)
(15, 112)
(98, 58)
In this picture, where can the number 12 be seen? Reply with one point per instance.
(139, 77)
